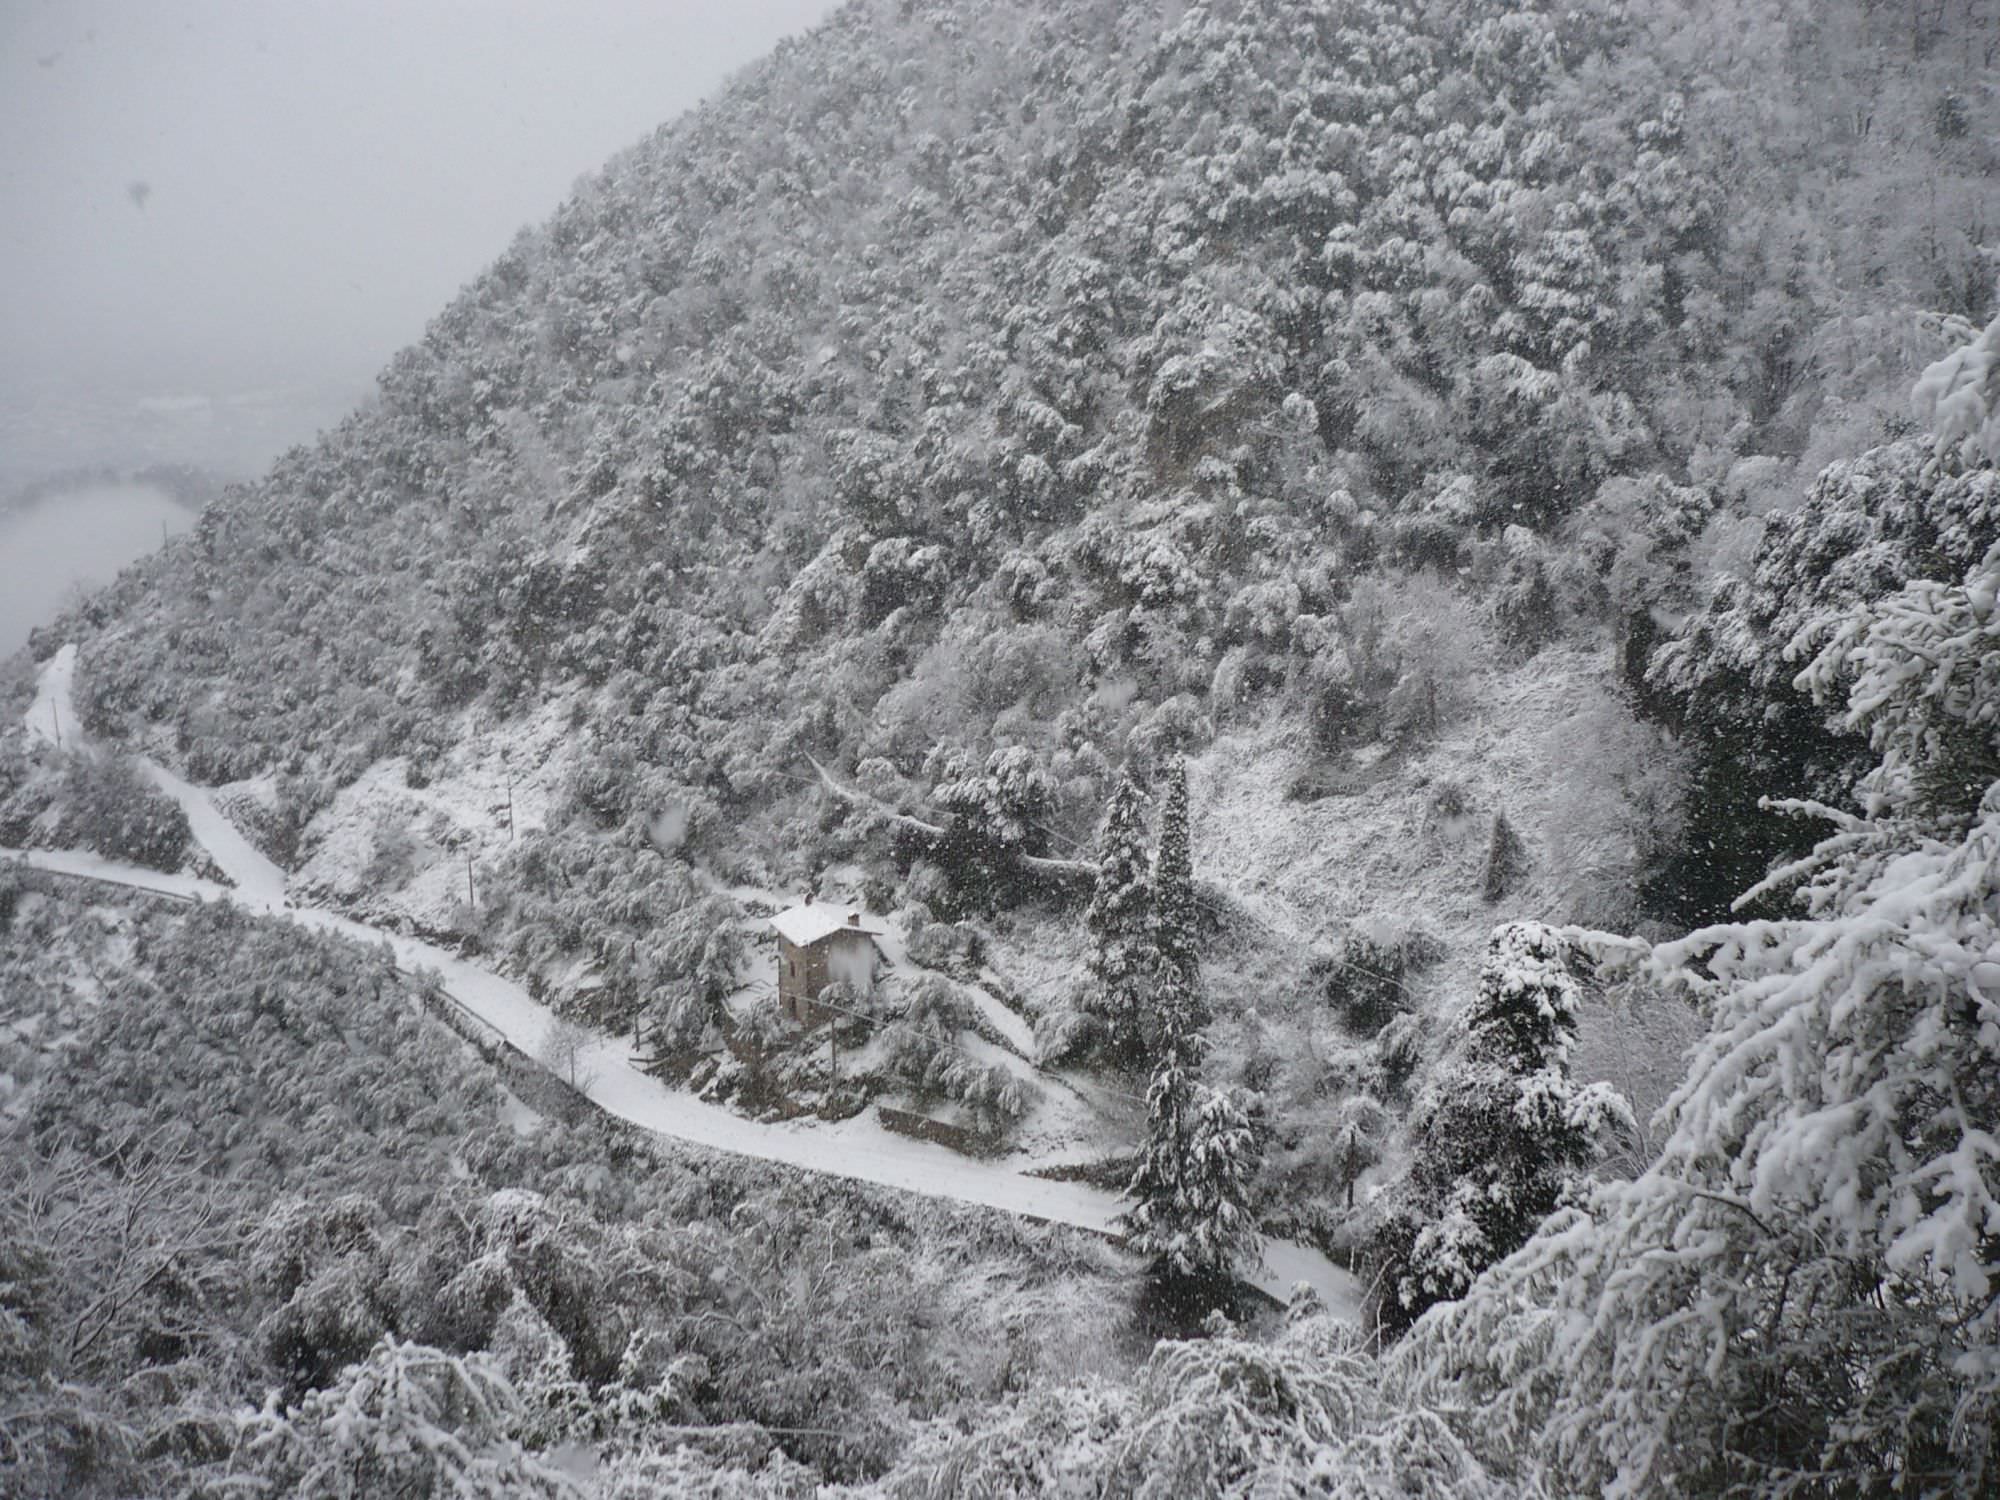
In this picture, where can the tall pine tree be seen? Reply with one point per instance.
(1500, 1131)
(1175, 945)
(1119, 972)
(1192, 1186)
(1173, 882)
(1156, 1219)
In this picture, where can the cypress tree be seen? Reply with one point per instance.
(1192, 1184)
(1119, 972)
(1506, 860)
(1155, 1220)
(1173, 883)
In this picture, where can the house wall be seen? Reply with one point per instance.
(794, 978)
(804, 972)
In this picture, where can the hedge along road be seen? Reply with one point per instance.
(860, 1148)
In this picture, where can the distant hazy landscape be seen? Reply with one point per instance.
(81, 537)
(51, 427)
(84, 530)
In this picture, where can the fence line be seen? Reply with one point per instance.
(22, 865)
(501, 1051)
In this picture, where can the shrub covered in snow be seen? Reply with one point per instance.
(1366, 980)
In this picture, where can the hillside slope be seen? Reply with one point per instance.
(1400, 413)
(973, 376)
(980, 399)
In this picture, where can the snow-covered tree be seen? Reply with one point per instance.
(1500, 1131)
(1157, 1184)
(565, 1051)
(407, 1420)
(1174, 915)
(993, 812)
(1193, 1181)
(1193, 1215)
(1304, 1414)
(1799, 1296)
(1119, 972)
(1358, 1131)
(1959, 396)
(1506, 860)
(1174, 922)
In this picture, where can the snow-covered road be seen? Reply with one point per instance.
(859, 1149)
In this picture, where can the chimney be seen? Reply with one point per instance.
(808, 901)
(854, 919)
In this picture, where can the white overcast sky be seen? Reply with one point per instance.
(321, 175)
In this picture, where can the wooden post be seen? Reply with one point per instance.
(510, 807)
(55, 716)
(468, 880)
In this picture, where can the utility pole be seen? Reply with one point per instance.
(55, 716)
(468, 880)
(510, 807)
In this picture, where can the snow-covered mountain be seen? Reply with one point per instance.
(1469, 439)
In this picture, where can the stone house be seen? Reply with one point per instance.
(819, 942)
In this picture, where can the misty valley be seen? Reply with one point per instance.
(72, 540)
(1078, 748)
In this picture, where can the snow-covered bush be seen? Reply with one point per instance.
(406, 1420)
(1225, 1415)
(1959, 396)
(927, 1053)
(103, 802)
(1366, 980)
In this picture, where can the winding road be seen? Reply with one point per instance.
(859, 1149)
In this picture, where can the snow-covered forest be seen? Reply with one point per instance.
(1388, 603)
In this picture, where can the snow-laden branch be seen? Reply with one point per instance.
(1043, 865)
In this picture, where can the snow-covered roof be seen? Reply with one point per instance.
(817, 920)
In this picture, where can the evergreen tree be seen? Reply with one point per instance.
(1193, 1180)
(1500, 1132)
(1175, 945)
(1219, 1228)
(1506, 860)
(1799, 1295)
(1173, 883)
(1120, 968)
(1157, 1184)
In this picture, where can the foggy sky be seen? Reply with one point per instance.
(319, 176)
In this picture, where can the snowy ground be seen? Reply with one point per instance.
(859, 1148)
(50, 719)
(1385, 848)
(479, 797)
